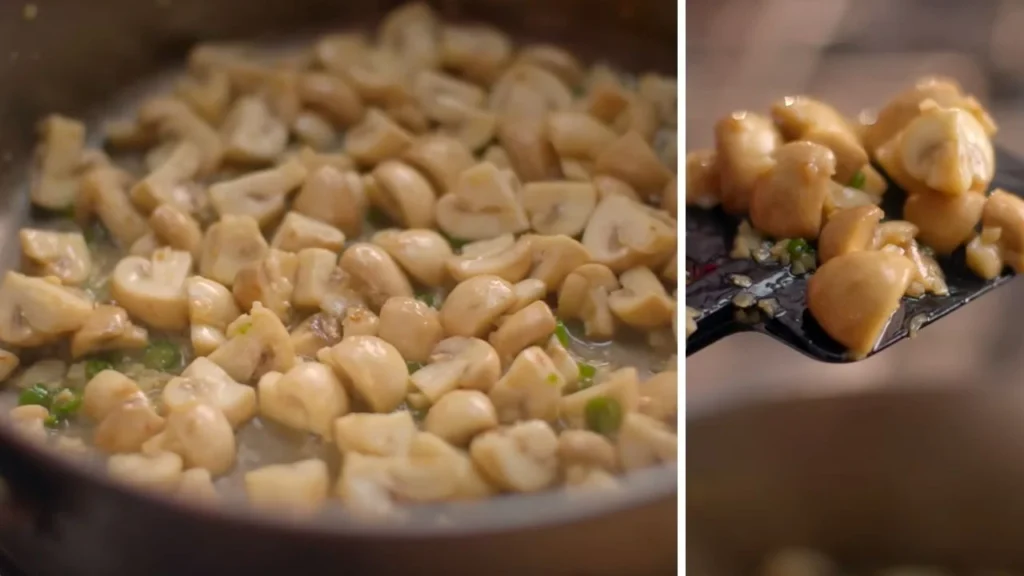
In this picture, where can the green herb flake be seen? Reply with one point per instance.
(587, 371)
(244, 328)
(427, 298)
(66, 404)
(163, 356)
(413, 366)
(51, 421)
(94, 366)
(603, 415)
(36, 395)
(553, 379)
(419, 414)
(858, 180)
(797, 247)
(562, 333)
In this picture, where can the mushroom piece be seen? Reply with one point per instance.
(559, 207)
(555, 95)
(176, 229)
(431, 89)
(260, 195)
(788, 201)
(313, 130)
(532, 324)
(478, 52)
(170, 181)
(209, 95)
(522, 132)
(460, 415)
(145, 246)
(298, 487)
(606, 97)
(474, 304)
(555, 257)
(849, 230)
(372, 368)
(269, 281)
(527, 292)
(331, 95)
(175, 119)
(519, 458)
(205, 382)
(531, 389)
(578, 135)
(411, 326)
(8, 364)
(473, 127)
(623, 234)
(502, 256)
(659, 395)
(360, 321)
(58, 160)
(702, 179)
(364, 486)
(482, 205)
(103, 192)
(128, 425)
(1001, 242)
(644, 442)
(318, 331)
(440, 158)
(805, 118)
(410, 31)
(944, 222)
(29, 421)
(106, 392)
(128, 134)
(374, 434)
(585, 295)
(201, 435)
(257, 344)
(433, 381)
(631, 159)
(948, 150)
(160, 471)
(663, 92)
(403, 194)
(556, 60)
(563, 360)
(336, 53)
(422, 253)
(586, 448)
(229, 245)
(153, 289)
(435, 471)
(622, 385)
(479, 362)
(315, 274)
(251, 132)
(376, 139)
(108, 328)
(39, 310)
(197, 486)
(309, 397)
(61, 254)
(333, 196)
(375, 273)
(853, 296)
(642, 302)
(211, 308)
(745, 145)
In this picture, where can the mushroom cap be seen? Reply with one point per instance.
(372, 368)
(308, 398)
(745, 145)
(333, 196)
(578, 135)
(642, 302)
(805, 118)
(422, 253)
(520, 458)
(559, 207)
(411, 326)
(483, 204)
(502, 256)
(206, 382)
(530, 389)
(623, 234)
(61, 254)
(849, 230)
(518, 330)
(474, 304)
(300, 486)
(460, 415)
(948, 150)
(201, 435)
(944, 222)
(788, 201)
(375, 272)
(555, 257)
(153, 289)
(852, 296)
(482, 365)
(403, 194)
(584, 296)
(37, 310)
(441, 159)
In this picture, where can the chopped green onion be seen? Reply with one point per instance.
(796, 247)
(51, 421)
(603, 415)
(65, 404)
(94, 366)
(858, 180)
(562, 333)
(427, 298)
(244, 328)
(162, 356)
(552, 378)
(95, 233)
(37, 395)
(587, 371)
(413, 366)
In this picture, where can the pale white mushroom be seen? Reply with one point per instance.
(230, 244)
(522, 132)
(153, 289)
(411, 326)
(260, 195)
(35, 311)
(297, 232)
(482, 205)
(631, 159)
(269, 281)
(375, 273)
(170, 182)
(519, 458)
(9, 362)
(440, 158)
(251, 132)
(314, 276)
(128, 425)
(331, 95)
(460, 415)
(29, 421)
(584, 296)
(205, 382)
(375, 139)
(201, 435)
(435, 471)
(159, 471)
(473, 127)
(659, 395)
(527, 292)
(145, 246)
(402, 193)
(623, 234)
(478, 363)
(104, 193)
(583, 480)
(374, 434)
(420, 252)
(58, 160)
(371, 368)
(209, 95)
(309, 397)
(298, 487)
(433, 381)
(128, 134)
(586, 448)
(502, 256)
(478, 52)
(524, 76)
(173, 118)
(431, 89)
(333, 196)
(644, 442)
(559, 207)
(663, 92)
(473, 306)
(606, 98)
(364, 486)
(378, 75)
(197, 486)
(211, 307)
(61, 254)
(531, 388)
(563, 360)
(554, 59)
(105, 392)
(518, 330)
(315, 332)
(257, 344)
(108, 328)
(555, 257)
(576, 170)
(410, 31)
(642, 302)
(360, 321)
(313, 130)
(622, 386)
(578, 135)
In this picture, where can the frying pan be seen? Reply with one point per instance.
(61, 518)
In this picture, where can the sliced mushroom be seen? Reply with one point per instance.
(435, 471)
(205, 382)
(208, 95)
(153, 290)
(176, 229)
(411, 32)
(1002, 236)
(745, 145)
(58, 160)
(128, 425)
(170, 182)
(555, 257)
(61, 254)
(375, 139)
(944, 222)
(108, 328)
(642, 302)
(128, 134)
(335, 197)
(299, 487)
(948, 150)
(559, 207)
(435, 380)
(522, 132)
(527, 292)
(403, 194)
(623, 234)
(309, 397)
(788, 202)
(702, 179)
(211, 308)
(478, 361)
(585, 295)
(554, 93)
(422, 253)
(372, 368)
(411, 326)
(578, 135)
(440, 158)
(556, 60)
(229, 245)
(374, 434)
(482, 205)
(520, 458)
(644, 442)
(197, 486)
(318, 331)
(104, 193)
(39, 310)
(805, 118)
(314, 277)
(659, 395)
(360, 321)
(380, 76)
(106, 392)
(531, 388)
(430, 88)
(478, 52)
(8, 364)
(631, 159)
(460, 415)
(853, 296)
(375, 273)
(586, 448)
(333, 96)
(260, 344)
(473, 127)
(502, 256)
(175, 119)
(260, 195)
(621, 385)
(160, 471)
(201, 435)
(530, 325)
(473, 306)
(849, 230)
(269, 281)
(364, 486)
(145, 246)
(251, 132)
(313, 130)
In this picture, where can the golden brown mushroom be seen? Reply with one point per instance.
(788, 201)
(1002, 236)
(745, 145)
(849, 230)
(944, 222)
(805, 118)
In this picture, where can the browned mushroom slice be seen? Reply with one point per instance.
(804, 118)
(622, 234)
(559, 207)
(788, 202)
(441, 159)
(745, 144)
(403, 194)
(944, 222)
(375, 139)
(849, 230)
(947, 150)
(522, 131)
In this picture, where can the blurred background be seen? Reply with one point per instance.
(744, 54)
